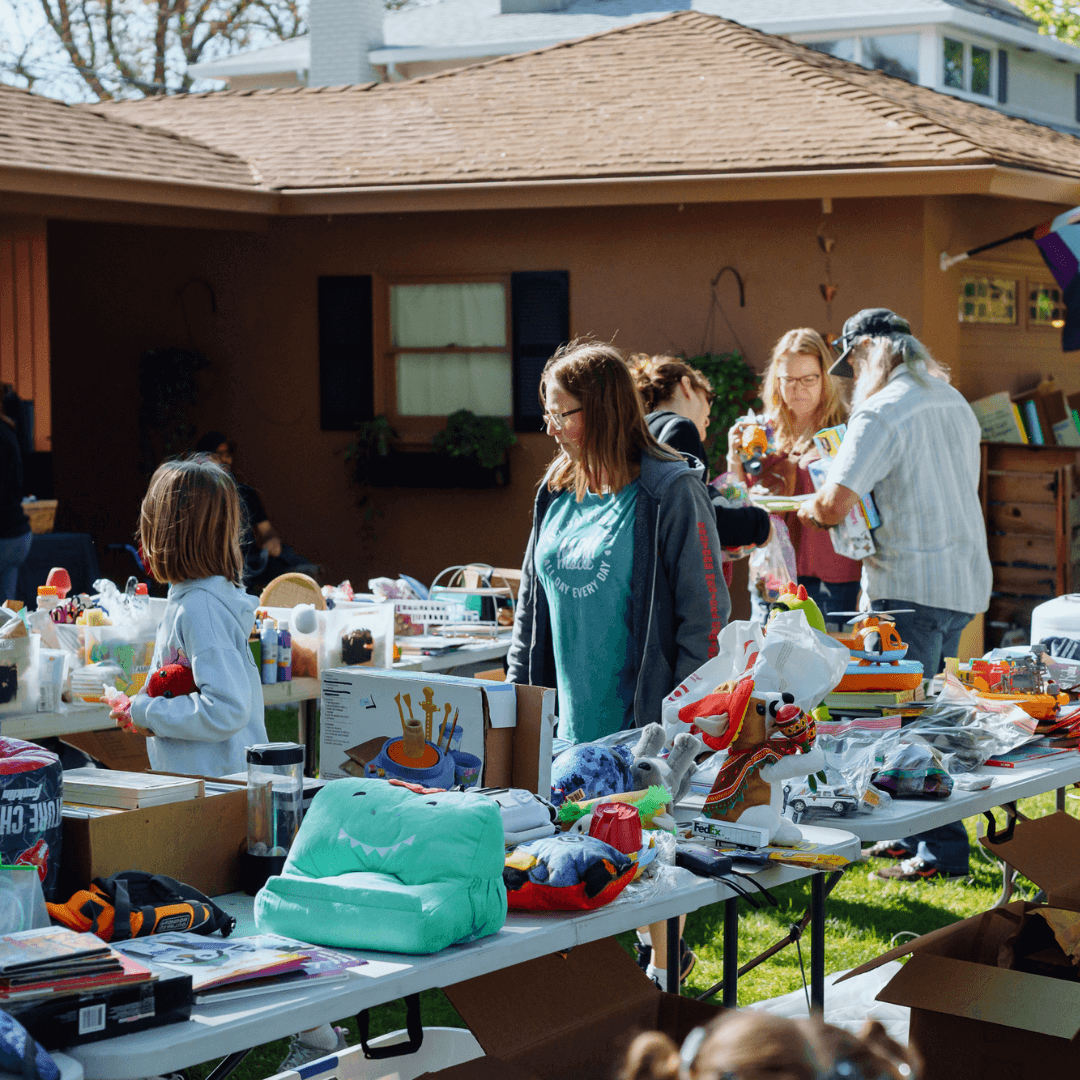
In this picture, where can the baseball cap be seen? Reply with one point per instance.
(870, 322)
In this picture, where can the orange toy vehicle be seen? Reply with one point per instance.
(877, 654)
(1021, 679)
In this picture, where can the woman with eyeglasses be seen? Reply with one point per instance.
(800, 399)
(621, 594)
(677, 400)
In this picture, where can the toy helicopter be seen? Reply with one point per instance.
(877, 653)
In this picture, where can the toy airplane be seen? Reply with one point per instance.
(877, 653)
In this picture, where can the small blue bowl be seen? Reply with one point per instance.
(439, 775)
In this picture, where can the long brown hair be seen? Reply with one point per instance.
(831, 409)
(614, 432)
(656, 378)
(749, 1045)
(189, 525)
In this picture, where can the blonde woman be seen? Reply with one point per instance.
(800, 399)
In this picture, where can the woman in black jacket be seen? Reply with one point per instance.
(677, 399)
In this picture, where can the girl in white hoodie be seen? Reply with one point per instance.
(190, 533)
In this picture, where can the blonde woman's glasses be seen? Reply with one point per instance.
(788, 382)
(556, 419)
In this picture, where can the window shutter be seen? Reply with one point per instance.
(540, 313)
(346, 353)
(1003, 77)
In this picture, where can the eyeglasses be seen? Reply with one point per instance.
(556, 419)
(807, 381)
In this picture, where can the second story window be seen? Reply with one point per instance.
(967, 67)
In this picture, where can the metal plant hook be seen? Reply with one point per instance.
(738, 277)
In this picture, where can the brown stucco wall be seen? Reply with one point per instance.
(638, 274)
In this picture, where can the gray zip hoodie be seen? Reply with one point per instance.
(678, 598)
(205, 627)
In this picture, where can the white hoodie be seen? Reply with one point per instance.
(205, 627)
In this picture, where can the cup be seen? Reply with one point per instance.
(466, 768)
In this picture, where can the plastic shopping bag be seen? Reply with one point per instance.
(772, 565)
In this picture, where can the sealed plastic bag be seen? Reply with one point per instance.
(772, 565)
(22, 903)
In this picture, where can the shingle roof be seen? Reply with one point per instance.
(685, 93)
(38, 132)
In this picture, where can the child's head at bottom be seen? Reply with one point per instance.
(750, 1045)
(189, 526)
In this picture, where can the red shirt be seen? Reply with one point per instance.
(814, 554)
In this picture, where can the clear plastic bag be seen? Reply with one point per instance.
(731, 493)
(772, 565)
(963, 730)
(22, 902)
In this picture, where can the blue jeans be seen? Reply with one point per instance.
(932, 634)
(832, 596)
(13, 552)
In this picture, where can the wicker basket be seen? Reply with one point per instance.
(42, 514)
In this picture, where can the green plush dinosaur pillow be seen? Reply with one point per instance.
(380, 865)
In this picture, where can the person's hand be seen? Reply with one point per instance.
(813, 454)
(734, 439)
(273, 547)
(807, 515)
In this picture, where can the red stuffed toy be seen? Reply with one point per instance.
(172, 680)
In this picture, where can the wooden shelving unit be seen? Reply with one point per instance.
(1031, 502)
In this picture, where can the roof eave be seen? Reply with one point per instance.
(126, 188)
(976, 179)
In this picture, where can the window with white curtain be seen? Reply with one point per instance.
(451, 348)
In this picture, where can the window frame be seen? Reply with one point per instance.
(1038, 281)
(420, 430)
(993, 48)
(1016, 274)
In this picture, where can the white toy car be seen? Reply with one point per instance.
(839, 800)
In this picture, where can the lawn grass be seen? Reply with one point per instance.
(864, 918)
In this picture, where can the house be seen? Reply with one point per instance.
(980, 50)
(316, 244)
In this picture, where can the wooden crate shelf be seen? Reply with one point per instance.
(1031, 504)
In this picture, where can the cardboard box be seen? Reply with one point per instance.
(508, 727)
(971, 1018)
(196, 841)
(566, 1015)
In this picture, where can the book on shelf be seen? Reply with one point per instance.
(999, 419)
(127, 790)
(28, 956)
(1060, 418)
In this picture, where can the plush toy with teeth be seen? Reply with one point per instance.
(768, 740)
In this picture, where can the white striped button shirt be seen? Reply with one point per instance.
(915, 445)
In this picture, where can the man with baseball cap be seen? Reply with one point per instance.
(913, 441)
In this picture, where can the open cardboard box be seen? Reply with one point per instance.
(510, 726)
(566, 1015)
(196, 841)
(971, 1018)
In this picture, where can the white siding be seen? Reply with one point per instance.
(342, 32)
(1042, 87)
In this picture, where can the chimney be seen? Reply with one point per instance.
(342, 32)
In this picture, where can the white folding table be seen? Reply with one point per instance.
(230, 1029)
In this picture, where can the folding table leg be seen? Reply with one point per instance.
(228, 1065)
(818, 893)
(731, 953)
(674, 960)
(1060, 802)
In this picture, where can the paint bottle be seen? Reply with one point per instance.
(284, 652)
(47, 597)
(268, 641)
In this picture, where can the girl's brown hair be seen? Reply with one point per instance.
(614, 432)
(656, 378)
(831, 409)
(749, 1045)
(189, 526)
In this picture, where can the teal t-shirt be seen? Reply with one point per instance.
(584, 559)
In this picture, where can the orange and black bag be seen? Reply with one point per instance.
(136, 904)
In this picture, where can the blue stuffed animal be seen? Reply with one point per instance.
(592, 769)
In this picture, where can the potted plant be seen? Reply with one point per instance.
(478, 446)
(370, 450)
(736, 386)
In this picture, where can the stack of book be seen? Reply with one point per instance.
(67, 988)
(1045, 416)
(876, 702)
(222, 970)
(111, 789)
